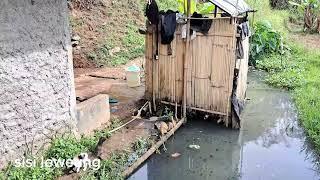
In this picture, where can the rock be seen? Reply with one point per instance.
(114, 51)
(75, 38)
(170, 126)
(74, 43)
(162, 127)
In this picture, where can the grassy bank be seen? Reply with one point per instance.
(298, 70)
(67, 147)
(109, 31)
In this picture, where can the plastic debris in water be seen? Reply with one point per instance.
(175, 155)
(194, 146)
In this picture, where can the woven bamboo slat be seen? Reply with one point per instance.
(211, 64)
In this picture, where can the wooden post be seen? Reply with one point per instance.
(215, 11)
(186, 57)
(154, 45)
(147, 154)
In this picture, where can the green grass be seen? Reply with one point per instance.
(131, 45)
(122, 31)
(168, 4)
(264, 12)
(67, 147)
(112, 168)
(297, 71)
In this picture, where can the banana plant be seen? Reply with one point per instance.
(311, 11)
(201, 8)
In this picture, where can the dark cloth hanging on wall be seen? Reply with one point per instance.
(200, 25)
(239, 46)
(168, 26)
(152, 12)
(236, 104)
(243, 31)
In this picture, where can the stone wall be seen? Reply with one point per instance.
(36, 77)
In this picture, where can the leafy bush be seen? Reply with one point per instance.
(264, 41)
(32, 173)
(68, 147)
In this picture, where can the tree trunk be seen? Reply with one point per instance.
(318, 24)
(307, 19)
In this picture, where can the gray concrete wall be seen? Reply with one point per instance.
(36, 77)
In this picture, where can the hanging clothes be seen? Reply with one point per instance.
(152, 12)
(168, 26)
(246, 29)
(200, 25)
(237, 106)
(239, 46)
(243, 30)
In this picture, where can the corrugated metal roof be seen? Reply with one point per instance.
(233, 7)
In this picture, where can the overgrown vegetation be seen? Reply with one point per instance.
(297, 70)
(264, 41)
(68, 146)
(122, 41)
(310, 11)
(112, 168)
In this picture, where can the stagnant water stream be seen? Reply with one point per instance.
(270, 145)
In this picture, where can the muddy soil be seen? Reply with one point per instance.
(270, 145)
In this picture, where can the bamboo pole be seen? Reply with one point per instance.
(153, 70)
(156, 146)
(194, 108)
(186, 63)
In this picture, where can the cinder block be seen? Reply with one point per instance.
(93, 113)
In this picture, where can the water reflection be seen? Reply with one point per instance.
(270, 145)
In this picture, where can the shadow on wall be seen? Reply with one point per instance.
(37, 91)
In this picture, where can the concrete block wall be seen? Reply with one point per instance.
(93, 114)
(37, 95)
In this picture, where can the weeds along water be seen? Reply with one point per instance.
(296, 70)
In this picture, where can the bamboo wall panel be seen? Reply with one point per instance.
(243, 71)
(148, 62)
(179, 69)
(209, 73)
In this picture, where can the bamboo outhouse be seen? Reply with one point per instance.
(201, 71)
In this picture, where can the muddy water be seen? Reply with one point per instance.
(270, 145)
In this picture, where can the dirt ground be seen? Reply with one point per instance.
(123, 139)
(310, 41)
(86, 24)
(93, 81)
(90, 82)
(95, 25)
